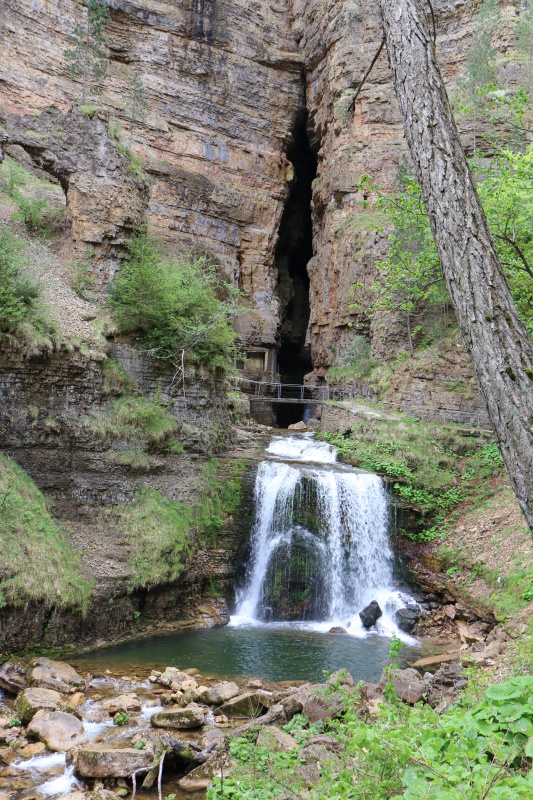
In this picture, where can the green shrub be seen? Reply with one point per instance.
(38, 565)
(135, 419)
(121, 718)
(174, 306)
(22, 314)
(116, 380)
(33, 211)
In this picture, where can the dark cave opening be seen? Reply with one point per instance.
(294, 250)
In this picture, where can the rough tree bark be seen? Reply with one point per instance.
(493, 334)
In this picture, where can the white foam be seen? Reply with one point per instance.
(302, 447)
(41, 763)
(61, 785)
(149, 711)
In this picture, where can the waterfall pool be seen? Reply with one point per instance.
(320, 553)
(272, 652)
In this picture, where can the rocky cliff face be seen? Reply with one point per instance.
(227, 84)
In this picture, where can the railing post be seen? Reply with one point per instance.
(302, 389)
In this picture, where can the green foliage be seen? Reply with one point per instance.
(135, 164)
(116, 380)
(22, 315)
(174, 306)
(136, 419)
(15, 723)
(140, 745)
(138, 101)
(88, 58)
(354, 363)
(32, 211)
(480, 748)
(220, 498)
(82, 282)
(38, 565)
(121, 718)
(157, 533)
(433, 467)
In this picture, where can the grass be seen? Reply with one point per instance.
(116, 380)
(433, 468)
(38, 565)
(134, 419)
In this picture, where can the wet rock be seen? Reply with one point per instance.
(7, 755)
(276, 740)
(251, 704)
(31, 749)
(14, 676)
(124, 702)
(297, 426)
(58, 731)
(170, 676)
(406, 618)
(32, 700)
(179, 719)
(321, 705)
(338, 630)
(370, 614)
(55, 675)
(219, 693)
(408, 684)
(101, 761)
(201, 777)
(213, 736)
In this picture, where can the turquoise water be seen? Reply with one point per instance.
(270, 652)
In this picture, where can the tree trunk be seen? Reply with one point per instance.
(494, 336)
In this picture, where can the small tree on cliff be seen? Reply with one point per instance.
(88, 58)
(494, 335)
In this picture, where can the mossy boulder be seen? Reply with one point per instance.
(34, 699)
(100, 761)
(179, 718)
(57, 730)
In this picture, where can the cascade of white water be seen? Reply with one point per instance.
(350, 547)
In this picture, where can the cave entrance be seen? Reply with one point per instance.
(294, 250)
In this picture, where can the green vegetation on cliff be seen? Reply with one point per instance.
(37, 564)
(174, 306)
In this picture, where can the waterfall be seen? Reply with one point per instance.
(320, 549)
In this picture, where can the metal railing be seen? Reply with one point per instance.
(272, 390)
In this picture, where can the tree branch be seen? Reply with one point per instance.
(351, 107)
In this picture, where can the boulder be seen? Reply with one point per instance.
(172, 675)
(250, 704)
(370, 614)
(276, 740)
(124, 702)
(219, 693)
(179, 718)
(214, 735)
(408, 684)
(14, 676)
(297, 426)
(200, 778)
(57, 730)
(406, 618)
(320, 706)
(341, 677)
(55, 675)
(338, 630)
(32, 700)
(101, 761)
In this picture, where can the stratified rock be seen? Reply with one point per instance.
(406, 618)
(32, 700)
(55, 675)
(370, 614)
(100, 761)
(408, 684)
(251, 704)
(58, 731)
(201, 777)
(179, 719)
(219, 693)
(276, 740)
(14, 676)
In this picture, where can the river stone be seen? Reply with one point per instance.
(172, 675)
(338, 630)
(14, 676)
(216, 736)
(124, 702)
(58, 731)
(341, 677)
(201, 777)
(251, 704)
(320, 705)
(179, 719)
(408, 684)
(406, 618)
(276, 740)
(55, 675)
(219, 693)
(370, 614)
(32, 700)
(101, 761)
